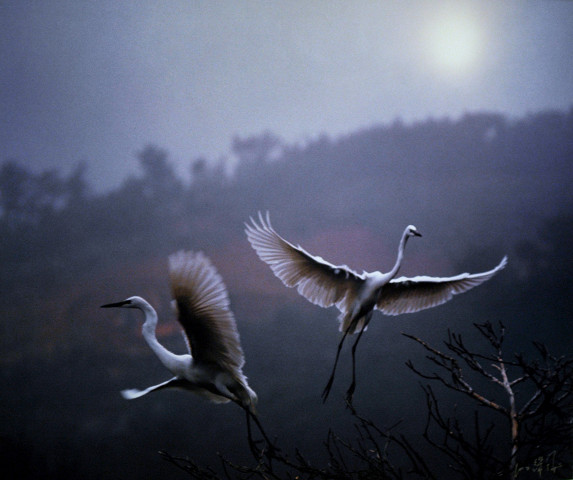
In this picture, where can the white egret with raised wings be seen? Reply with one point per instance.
(213, 366)
(356, 295)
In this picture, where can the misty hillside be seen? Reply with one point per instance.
(477, 188)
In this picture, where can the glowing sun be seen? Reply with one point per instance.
(454, 43)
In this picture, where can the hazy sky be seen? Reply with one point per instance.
(97, 81)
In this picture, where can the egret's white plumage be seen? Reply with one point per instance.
(213, 366)
(355, 295)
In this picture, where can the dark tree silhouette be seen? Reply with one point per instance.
(536, 402)
(255, 149)
(28, 198)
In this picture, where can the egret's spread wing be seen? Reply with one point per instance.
(408, 295)
(203, 310)
(317, 280)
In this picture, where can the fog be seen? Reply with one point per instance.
(477, 187)
(94, 82)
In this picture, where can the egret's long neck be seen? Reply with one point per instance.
(392, 273)
(170, 360)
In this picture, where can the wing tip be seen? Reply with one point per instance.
(264, 222)
(184, 257)
(503, 262)
(193, 274)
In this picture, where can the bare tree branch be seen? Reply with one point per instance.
(542, 422)
(537, 426)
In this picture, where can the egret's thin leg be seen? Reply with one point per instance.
(270, 445)
(350, 391)
(326, 390)
(252, 443)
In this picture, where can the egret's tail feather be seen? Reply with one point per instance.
(346, 323)
(132, 393)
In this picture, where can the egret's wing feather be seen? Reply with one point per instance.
(408, 295)
(203, 310)
(317, 280)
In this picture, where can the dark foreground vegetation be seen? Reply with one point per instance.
(431, 395)
(536, 405)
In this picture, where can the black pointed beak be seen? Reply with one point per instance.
(118, 304)
(417, 234)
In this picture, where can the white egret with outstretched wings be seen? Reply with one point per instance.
(356, 295)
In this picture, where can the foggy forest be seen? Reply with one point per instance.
(478, 188)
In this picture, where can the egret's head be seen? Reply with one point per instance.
(412, 231)
(131, 302)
